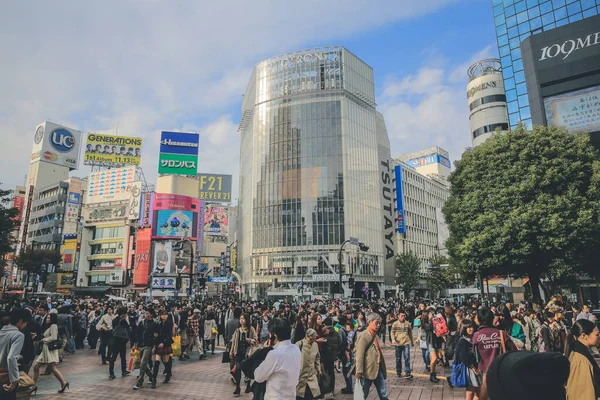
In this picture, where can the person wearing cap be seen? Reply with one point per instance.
(193, 335)
(308, 384)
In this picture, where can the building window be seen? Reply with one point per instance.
(109, 233)
(107, 248)
(489, 128)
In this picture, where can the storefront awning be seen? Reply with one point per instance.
(91, 289)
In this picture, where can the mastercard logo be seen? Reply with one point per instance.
(50, 156)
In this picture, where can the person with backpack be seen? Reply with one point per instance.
(121, 334)
(330, 349)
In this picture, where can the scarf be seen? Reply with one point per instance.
(580, 348)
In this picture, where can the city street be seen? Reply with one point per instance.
(209, 379)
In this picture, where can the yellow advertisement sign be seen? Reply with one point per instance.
(112, 150)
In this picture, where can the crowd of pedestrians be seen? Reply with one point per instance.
(292, 351)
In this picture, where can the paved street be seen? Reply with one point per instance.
(209, 379)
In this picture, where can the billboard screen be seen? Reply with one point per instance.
(18, 203)
(163, 260)
(179, 143)
(216, 221)
(142, 256)
(177, 164)
(110, 185)
(109, 150)
(430, 159)
(165, 201)
(215, 187)
(175, 224)
(400, 200)
(577, 111)
(73, 201)
(56, 144)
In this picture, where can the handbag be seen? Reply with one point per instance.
(25, 382)
(176, 346)
(225, 359)
(417, 323)
(214, 331)
(358, 390)
(55, 344)
(459, 375)
(439, 326)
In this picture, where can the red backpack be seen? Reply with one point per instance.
(439, 326)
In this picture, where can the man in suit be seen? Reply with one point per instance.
(370, 363)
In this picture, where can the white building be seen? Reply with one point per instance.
(433, 162)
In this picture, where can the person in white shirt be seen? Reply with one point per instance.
(281, 368)
(586, 314)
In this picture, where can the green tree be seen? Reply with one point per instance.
(31, 260)
(442, 274)
(8, 223)
(526, 203)
(408, 267)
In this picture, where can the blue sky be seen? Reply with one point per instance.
(147, 66)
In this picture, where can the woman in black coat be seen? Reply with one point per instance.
(162, 347)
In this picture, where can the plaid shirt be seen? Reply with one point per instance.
(193, 325)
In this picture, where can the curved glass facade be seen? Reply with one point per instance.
(309, 171)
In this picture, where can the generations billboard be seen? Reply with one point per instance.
(141, 267)
(178, 153)
(216, 220)
(175, 216)
(109, 150)
(578, 111)
(56, 144)
(215, 187)
(110, 185)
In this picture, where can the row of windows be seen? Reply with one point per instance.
(109, 233)
(494, 98)
(489, 128)
(107, 248)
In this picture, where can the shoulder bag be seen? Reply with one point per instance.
(55, 344)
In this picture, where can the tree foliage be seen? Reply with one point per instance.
(441, 275)
(408, 266)
(8, 223)
(526, 203)
(31, 260)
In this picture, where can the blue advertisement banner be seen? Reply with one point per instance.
(179, 143)
(175, 224)
(430, 159)
(400, 200)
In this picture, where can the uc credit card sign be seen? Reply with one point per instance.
(179, 143)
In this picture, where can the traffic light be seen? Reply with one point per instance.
(351, 283)
(363, 247)
(202, 282)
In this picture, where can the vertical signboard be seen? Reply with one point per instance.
(73, 201)
(146, 209)
(134, 201)
(142, 256)
(200, 232)
(400, 201)
(178, 153)
(234, 259)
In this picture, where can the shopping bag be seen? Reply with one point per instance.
(459, 375)
(137, 358)
(358, 391)
(439, 326)
(176, 346)
(225, 357)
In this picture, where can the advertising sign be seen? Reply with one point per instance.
(109, 150)
(177, 164)
(108, 213)
(430, 159)
(163, 261)
(116, 277)
(578, 111)
(216, 221)
(215, 187)
(73, 201)
(56, 144)
(68, 250)
(179, 143)
(174, 224)
(164, 283)
(442, 229)
(110, 185)
(200, 231)
(135, 194)
(18, 203)
(146, 209)
(234, 259)
(400, 201)
(142, 256)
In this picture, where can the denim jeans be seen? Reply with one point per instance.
(403, 350)
(379, 383)
(426, 357)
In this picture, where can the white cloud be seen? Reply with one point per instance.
(150, 65)
(429, 108)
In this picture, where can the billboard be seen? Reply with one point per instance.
(19, 203)
(110, 185)
(105, 213)
(577, 111)
(134, 201)
(400, 201)
(163, 260)
(73, 201)
(215, 187)
(442, 229)
(177, 164)
(430, 159)
(142, 256)
(216, 220)
(175, 224)
(179, 143)
(146, 209)
(56, 144)
(166, 201)
(164, 283)
(109, 150)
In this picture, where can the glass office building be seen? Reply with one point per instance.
(309, 173)
(517, 20)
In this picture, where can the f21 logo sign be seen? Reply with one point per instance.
(567, 48)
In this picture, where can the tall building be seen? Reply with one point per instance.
(55, 153)
(487, 100)
(314, 172)
(517, 20)
(433, 161)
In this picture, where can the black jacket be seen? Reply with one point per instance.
(145, 333)
(464, 353)
(165, 333)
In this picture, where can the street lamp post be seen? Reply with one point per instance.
(361, 247)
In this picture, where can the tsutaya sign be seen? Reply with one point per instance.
(567, 48)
